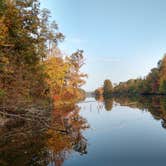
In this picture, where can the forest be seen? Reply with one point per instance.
(39, 86)
(152, 84)
(31, 64)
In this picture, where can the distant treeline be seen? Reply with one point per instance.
(153, 84)
(31, 64)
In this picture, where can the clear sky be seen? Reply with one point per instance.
(122, 39)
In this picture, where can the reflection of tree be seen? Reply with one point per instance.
(99, 98)
(80, 145)
(108, 104)
(30, 143)
(61, 145)
(23, 144)
(156, 105)
(163, 123)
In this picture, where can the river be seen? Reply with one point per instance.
(112, 132)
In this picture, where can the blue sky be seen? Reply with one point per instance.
(122, 39)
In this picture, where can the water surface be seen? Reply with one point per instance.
(129, 133)
(119, 132)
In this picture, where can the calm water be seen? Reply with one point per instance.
(114, 132)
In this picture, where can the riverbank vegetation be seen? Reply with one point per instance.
(31, 64)
(36, 80)
(152, 84)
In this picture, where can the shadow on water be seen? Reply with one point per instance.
(32, 143)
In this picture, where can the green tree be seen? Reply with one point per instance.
(107, 87)
(162, 73)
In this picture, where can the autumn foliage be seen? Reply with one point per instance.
(31, 64)
(152, 84)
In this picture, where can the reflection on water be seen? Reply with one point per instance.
(121, 132)
(156, 105)
(23, 143)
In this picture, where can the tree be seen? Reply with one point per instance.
(153, 83)
(74, 75)
(107, 87)
(56, 70)
(26, 38)
(162, 74)
(99, 91)
(31, 64)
